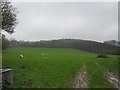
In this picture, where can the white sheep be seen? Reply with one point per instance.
(21, 56)
(43, 54)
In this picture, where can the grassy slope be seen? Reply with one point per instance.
(57, 68)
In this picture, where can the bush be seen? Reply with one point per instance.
(102, 56)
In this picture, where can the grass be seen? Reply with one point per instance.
(57, 68)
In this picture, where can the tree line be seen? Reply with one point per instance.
(85, 45)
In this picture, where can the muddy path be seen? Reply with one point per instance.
(81, 79)
(111, 77)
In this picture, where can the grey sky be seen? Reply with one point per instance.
(96, 21)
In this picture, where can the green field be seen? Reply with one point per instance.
(57, 68)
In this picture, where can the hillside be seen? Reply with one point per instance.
(79, 44)
(113, 42)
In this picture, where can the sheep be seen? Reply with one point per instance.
(43, 54)
(21, 56)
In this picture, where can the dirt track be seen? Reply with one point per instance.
(113, 79)
(81, 79)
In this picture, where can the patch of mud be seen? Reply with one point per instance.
(81, 79)
(113, 79)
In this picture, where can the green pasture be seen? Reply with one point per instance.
(56, 67)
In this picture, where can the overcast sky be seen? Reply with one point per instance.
(97, 21)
